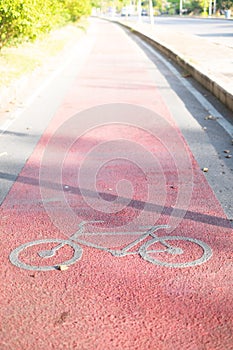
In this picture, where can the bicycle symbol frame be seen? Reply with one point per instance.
(144, 250)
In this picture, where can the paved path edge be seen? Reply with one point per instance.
(211, 85)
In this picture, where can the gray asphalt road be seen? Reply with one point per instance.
(219, 31)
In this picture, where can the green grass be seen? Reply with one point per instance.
(15, 62)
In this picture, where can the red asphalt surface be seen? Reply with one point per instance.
(104, 301)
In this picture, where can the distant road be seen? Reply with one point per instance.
(219, 31)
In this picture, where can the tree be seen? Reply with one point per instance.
(225, 4)
(28, 19)
(77, 8)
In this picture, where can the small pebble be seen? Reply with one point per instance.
(63, 267)
(210, 117)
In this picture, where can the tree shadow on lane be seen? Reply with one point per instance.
(78, 194)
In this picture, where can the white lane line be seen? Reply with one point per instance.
(228, 127)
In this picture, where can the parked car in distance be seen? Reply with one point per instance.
(144, 12)
(127, 11)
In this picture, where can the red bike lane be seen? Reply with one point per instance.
(110, 175)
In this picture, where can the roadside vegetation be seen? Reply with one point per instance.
(27, 20)
(34, 31)
(169, 7)
(22, 59)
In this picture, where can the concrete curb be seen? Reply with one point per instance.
(208, 82)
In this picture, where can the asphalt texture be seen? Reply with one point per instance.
(111, 237)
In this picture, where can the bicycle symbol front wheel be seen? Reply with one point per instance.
(167, 256)
(16, 260)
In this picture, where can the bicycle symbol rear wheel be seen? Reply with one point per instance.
(148, 254)
(15, 254)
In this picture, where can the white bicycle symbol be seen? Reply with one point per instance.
(146, 251)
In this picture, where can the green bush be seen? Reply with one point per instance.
(76, 9)
(28, 19)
